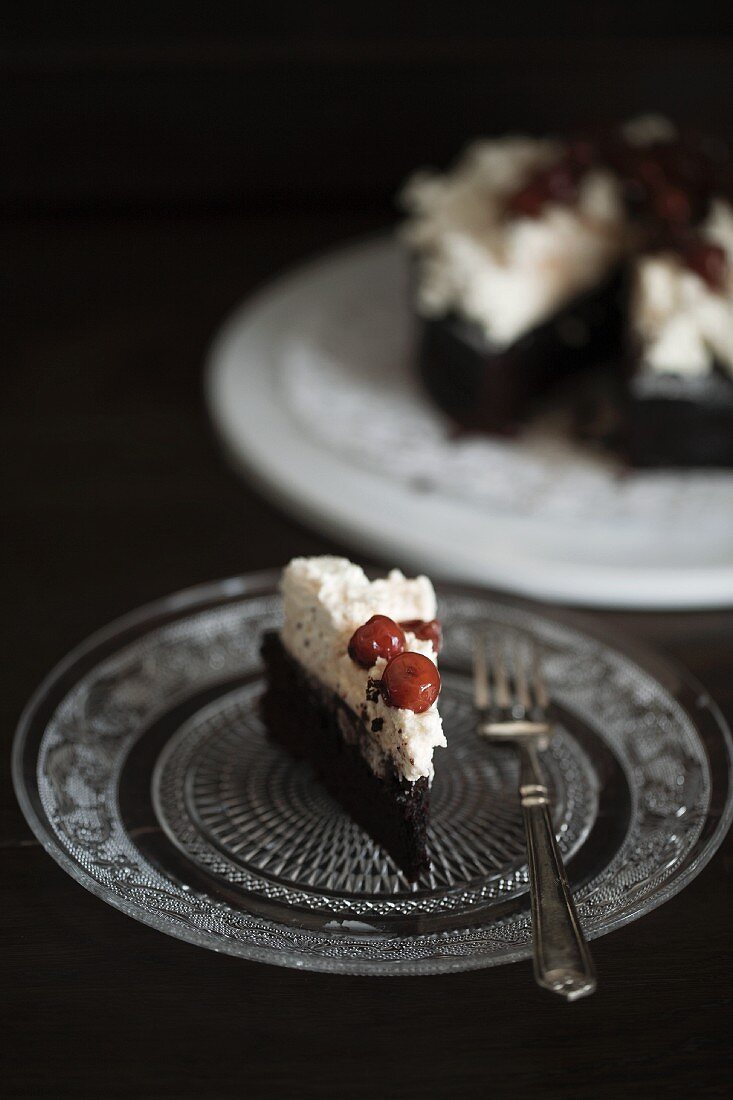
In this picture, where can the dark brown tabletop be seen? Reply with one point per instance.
(118, 494)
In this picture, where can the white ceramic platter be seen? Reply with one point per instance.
(311, 387)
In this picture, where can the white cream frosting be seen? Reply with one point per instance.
(683, 324)
(507, 275)
(325, 599)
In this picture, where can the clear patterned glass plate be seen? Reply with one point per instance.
(142, 766)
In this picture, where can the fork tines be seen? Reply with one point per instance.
(507, 678)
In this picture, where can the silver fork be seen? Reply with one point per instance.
(511, 699)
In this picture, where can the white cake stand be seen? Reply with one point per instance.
(311, 387)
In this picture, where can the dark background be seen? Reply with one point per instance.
(159, 162)
(182, 105)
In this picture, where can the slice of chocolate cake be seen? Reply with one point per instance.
(352, 686)
(534, 260)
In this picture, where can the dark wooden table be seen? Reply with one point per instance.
(118, 494)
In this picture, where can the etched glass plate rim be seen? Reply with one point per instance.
(264, 940)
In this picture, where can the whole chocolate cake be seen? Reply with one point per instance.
(538, 259)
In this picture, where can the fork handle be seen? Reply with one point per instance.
(562, 960)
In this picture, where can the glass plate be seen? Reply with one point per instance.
(143, 768)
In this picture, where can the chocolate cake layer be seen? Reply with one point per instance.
(680, 422)
(484, 388)
(316, 725)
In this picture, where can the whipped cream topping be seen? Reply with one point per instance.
(685, 326)
(507, 275)
(325, 599)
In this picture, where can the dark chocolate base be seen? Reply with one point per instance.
(316, 725)
(651, 420)
(681, 422)
(484, 388)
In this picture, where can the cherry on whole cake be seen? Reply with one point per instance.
(707, 260)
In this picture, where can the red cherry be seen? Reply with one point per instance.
(379, 637)
(557, 183)
(561, 183)
(529, 200)
(709, 261)
(427, 630)
(411, 682)
(650, 172)
(672, 205)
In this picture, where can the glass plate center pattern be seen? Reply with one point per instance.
(242, 809)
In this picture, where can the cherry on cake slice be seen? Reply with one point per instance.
(352, 687)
